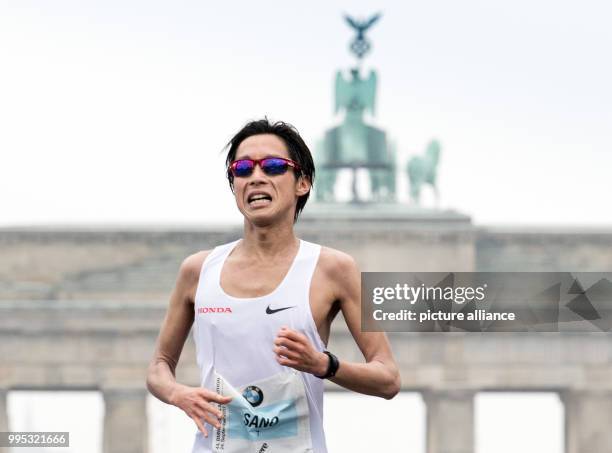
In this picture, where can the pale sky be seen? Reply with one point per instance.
(116, 111)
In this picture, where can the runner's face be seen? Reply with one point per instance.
(281, 191)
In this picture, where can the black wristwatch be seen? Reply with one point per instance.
(332, 367)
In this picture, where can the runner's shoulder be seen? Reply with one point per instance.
(189, 271)
(336, 264)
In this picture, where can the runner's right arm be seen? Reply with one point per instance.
(161, 374)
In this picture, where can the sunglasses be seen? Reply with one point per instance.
(270, 166)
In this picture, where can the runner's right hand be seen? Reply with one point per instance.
(197, 403)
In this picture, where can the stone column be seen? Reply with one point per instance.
(125, 421)
(588, 420)
(450, 421)
(4, 422)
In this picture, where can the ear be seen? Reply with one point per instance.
(302, 185)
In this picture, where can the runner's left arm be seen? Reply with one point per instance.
(379, 375)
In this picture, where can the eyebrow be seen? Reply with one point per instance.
(246, 156)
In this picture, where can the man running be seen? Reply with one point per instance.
(263, 306)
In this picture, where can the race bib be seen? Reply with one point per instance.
(270, 415)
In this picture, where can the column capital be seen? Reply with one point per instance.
(124, 392)
(569, 392)
(448, 394)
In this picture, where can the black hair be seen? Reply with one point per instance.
(297, 148)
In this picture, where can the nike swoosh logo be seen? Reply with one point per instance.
(271, 311)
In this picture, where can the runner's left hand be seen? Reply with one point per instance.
(294, 349)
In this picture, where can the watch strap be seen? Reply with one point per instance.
(332, 366)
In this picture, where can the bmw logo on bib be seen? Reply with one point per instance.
(253, 395)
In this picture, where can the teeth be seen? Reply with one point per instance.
(258, 197)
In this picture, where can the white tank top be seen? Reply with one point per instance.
(274, 408)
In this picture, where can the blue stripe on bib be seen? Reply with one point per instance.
(270, 422)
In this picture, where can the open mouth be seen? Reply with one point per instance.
(259, 199)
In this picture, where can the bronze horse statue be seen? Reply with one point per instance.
(422, 170)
